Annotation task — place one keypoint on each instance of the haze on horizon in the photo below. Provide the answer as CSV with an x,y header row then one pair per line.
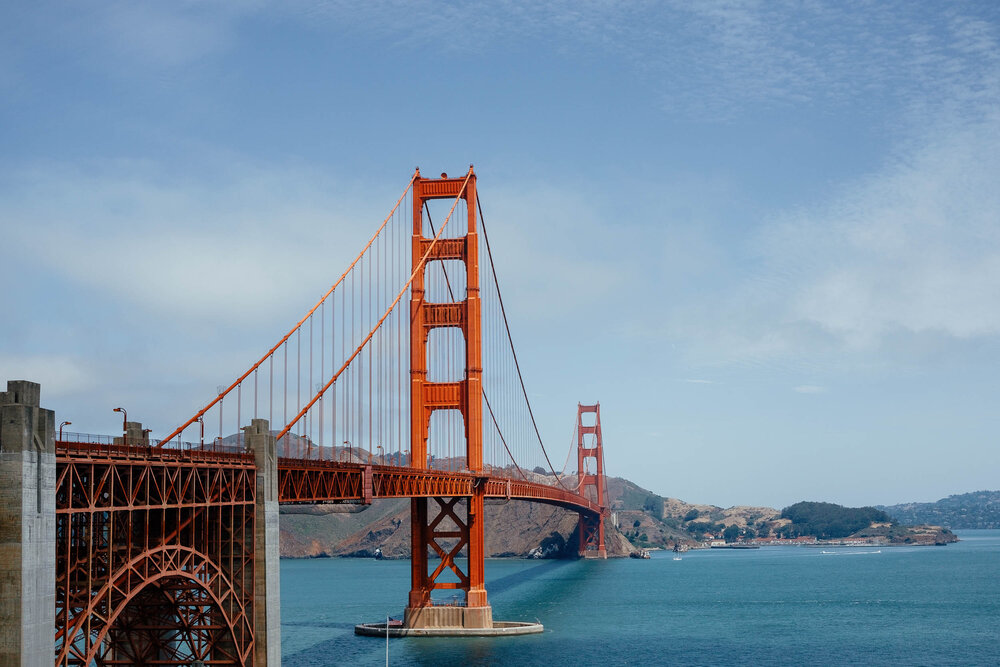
x,y
765,236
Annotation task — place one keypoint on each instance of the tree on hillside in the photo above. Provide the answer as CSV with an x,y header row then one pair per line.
x,y
654,505
731,533
830,521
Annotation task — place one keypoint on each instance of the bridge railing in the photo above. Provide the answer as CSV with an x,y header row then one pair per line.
x,y
105,447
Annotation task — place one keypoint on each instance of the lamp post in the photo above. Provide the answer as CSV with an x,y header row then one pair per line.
x,y
61,428
381,455
124,424
347,452
201,421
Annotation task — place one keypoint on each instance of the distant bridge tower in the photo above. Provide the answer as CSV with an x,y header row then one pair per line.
x,y
592,484
447,532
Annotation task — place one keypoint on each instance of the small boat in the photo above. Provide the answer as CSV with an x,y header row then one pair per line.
x,y
677,558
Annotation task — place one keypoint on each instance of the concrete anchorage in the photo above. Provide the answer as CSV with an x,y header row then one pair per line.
x,y
134,434
267,616
27,527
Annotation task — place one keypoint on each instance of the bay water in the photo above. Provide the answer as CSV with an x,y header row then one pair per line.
x,y
768,606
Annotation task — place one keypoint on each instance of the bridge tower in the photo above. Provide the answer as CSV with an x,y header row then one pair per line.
x,y
445,531
591,483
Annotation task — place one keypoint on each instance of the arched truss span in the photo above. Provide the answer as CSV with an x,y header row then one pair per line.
x,y
211,623
161,544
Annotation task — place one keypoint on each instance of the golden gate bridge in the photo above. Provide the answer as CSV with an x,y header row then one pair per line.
x,y
401,382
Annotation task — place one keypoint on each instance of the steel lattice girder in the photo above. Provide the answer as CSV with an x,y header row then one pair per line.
x,y
166,541
332,481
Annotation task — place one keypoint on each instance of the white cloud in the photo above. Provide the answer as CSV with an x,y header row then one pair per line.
x,y
911,250
208,252
59,375
555,255
172,34
916,248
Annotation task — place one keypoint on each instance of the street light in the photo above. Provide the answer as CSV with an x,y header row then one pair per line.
x,y
124,424
381,454
61,427
347,452
201,420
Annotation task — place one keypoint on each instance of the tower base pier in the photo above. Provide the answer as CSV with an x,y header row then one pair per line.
x,y
498,629
449,617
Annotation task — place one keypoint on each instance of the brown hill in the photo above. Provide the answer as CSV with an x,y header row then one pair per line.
x,y
513,528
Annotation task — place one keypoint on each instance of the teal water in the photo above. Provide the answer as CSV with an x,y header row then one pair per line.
x,y
772,606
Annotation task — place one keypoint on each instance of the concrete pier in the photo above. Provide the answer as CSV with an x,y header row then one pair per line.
x,y
27,527
267,616
498,629
449,617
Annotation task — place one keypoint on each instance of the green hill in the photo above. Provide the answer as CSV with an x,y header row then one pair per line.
x,y
829,521
979,509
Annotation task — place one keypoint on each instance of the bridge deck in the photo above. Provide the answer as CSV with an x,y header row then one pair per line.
x,y
310,481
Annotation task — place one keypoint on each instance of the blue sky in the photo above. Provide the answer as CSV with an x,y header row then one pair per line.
x,y
766,236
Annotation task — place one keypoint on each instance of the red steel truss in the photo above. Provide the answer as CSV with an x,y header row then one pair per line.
x,y
591,483
154,556
305,481
155,546
463,396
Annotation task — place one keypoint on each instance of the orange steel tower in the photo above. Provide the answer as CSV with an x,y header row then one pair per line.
x,y
447,532
591,527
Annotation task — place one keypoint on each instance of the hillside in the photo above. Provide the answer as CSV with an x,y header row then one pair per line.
x,y
639,519
979,509
513,529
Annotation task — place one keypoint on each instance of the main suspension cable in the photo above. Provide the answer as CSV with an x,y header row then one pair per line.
x,y
365,341
510,340
451,294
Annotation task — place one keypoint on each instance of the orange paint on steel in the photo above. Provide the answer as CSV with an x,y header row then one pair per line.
x,y
591,528
304,480
281,342
134,520
464,395
417,271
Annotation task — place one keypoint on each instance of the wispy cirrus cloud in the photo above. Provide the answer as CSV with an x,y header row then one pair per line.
x,y
912,250
715,60
700,60
216,250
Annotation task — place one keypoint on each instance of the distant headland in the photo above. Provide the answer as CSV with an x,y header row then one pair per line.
x,y
640,520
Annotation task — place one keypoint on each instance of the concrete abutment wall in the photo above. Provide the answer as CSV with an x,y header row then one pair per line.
x,y
267,616
27,527
28,532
